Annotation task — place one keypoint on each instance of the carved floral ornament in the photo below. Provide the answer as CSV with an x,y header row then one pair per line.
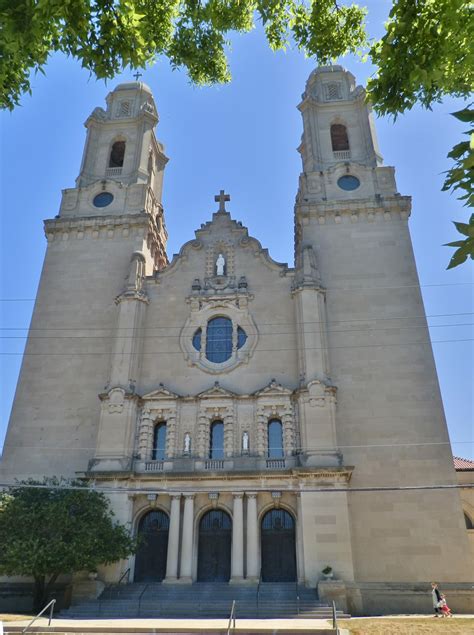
x,y
193,338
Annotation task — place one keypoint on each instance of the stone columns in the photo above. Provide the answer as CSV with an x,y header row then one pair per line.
x,y
173,540
202,446
171,428
252,538
188,535
237,572
288,422
262,445
229,433
145,435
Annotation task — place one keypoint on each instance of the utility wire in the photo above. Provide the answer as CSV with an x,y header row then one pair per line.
x,y
298,450
81,327
260,350
373,288
193,329
232,489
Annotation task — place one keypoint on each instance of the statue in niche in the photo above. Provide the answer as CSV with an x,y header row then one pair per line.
x,y
220,265
187,443
245,442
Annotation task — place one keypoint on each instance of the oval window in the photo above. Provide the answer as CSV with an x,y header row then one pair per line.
x,y
103,199
348,182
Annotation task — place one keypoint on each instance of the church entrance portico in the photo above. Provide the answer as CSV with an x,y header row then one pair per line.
x,y
214,547
150,560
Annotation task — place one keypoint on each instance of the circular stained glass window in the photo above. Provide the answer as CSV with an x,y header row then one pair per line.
x,y
348,182
103,199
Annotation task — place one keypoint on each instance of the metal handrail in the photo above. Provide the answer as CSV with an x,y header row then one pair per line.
x,y
140,600
334,617
230,626
50,604
125,573
297,598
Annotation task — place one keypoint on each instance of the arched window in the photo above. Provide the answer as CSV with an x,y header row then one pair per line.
x,y
216,448
275,439
219,340
117,154
339,138
468,521
159,442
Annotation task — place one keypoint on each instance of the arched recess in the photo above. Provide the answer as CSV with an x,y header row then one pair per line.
x,y
150,559
214,546
468,520
339,137
117,153
278,546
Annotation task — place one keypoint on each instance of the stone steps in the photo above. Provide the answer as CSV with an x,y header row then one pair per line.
x,y
203,600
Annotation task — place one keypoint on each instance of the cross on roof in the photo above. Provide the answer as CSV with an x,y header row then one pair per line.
x,y
221,198
138,75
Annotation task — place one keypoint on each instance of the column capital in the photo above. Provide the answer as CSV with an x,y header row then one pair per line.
x,y
191,496
251,494
175,496
238,494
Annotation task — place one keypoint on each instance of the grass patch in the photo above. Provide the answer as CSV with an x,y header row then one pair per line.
x,y
408,626
14,617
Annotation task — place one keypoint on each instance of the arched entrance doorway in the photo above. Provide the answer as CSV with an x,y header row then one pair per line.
x,y
278,547
215,540
150,561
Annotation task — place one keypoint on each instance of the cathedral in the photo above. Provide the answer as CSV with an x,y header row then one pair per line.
x,y
254,421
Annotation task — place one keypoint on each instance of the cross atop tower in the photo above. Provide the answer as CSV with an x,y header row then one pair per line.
x,y
137,75
221,198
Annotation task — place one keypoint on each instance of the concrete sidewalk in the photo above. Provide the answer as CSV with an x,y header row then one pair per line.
x,y
144,626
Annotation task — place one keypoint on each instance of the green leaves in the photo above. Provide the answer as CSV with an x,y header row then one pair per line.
x,y
426,53
106,36
465,248
52,530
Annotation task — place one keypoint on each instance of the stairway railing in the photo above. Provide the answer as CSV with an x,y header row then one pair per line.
x,y
140,600
231,624
50,604
334,617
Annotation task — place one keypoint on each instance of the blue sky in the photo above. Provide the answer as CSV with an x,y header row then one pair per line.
x,y
241,137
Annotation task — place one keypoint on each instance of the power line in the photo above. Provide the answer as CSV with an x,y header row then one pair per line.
x,y
260,350
223,489
372,288
191,332
297,450
296,323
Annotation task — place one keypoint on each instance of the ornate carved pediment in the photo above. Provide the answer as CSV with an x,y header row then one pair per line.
x,y
216,392
161,393
274,389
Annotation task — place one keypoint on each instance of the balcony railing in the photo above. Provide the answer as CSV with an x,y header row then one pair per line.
x,y
342,154
154,466
113,171
275,464
214,464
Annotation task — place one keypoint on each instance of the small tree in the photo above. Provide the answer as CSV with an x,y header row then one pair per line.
x,y
54,527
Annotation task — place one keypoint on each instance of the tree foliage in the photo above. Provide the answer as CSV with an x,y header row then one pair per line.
x,y
50,530
425,54
108,35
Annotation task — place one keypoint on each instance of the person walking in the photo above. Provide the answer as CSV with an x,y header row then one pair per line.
x,y
436,595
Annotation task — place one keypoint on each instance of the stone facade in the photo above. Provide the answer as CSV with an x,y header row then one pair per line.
x,y
225,336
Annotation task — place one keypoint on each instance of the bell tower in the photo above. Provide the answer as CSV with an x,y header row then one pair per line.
x,y
107,239
122,166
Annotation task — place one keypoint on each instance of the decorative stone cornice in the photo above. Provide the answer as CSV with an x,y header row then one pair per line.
x,y
351,211
288,480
